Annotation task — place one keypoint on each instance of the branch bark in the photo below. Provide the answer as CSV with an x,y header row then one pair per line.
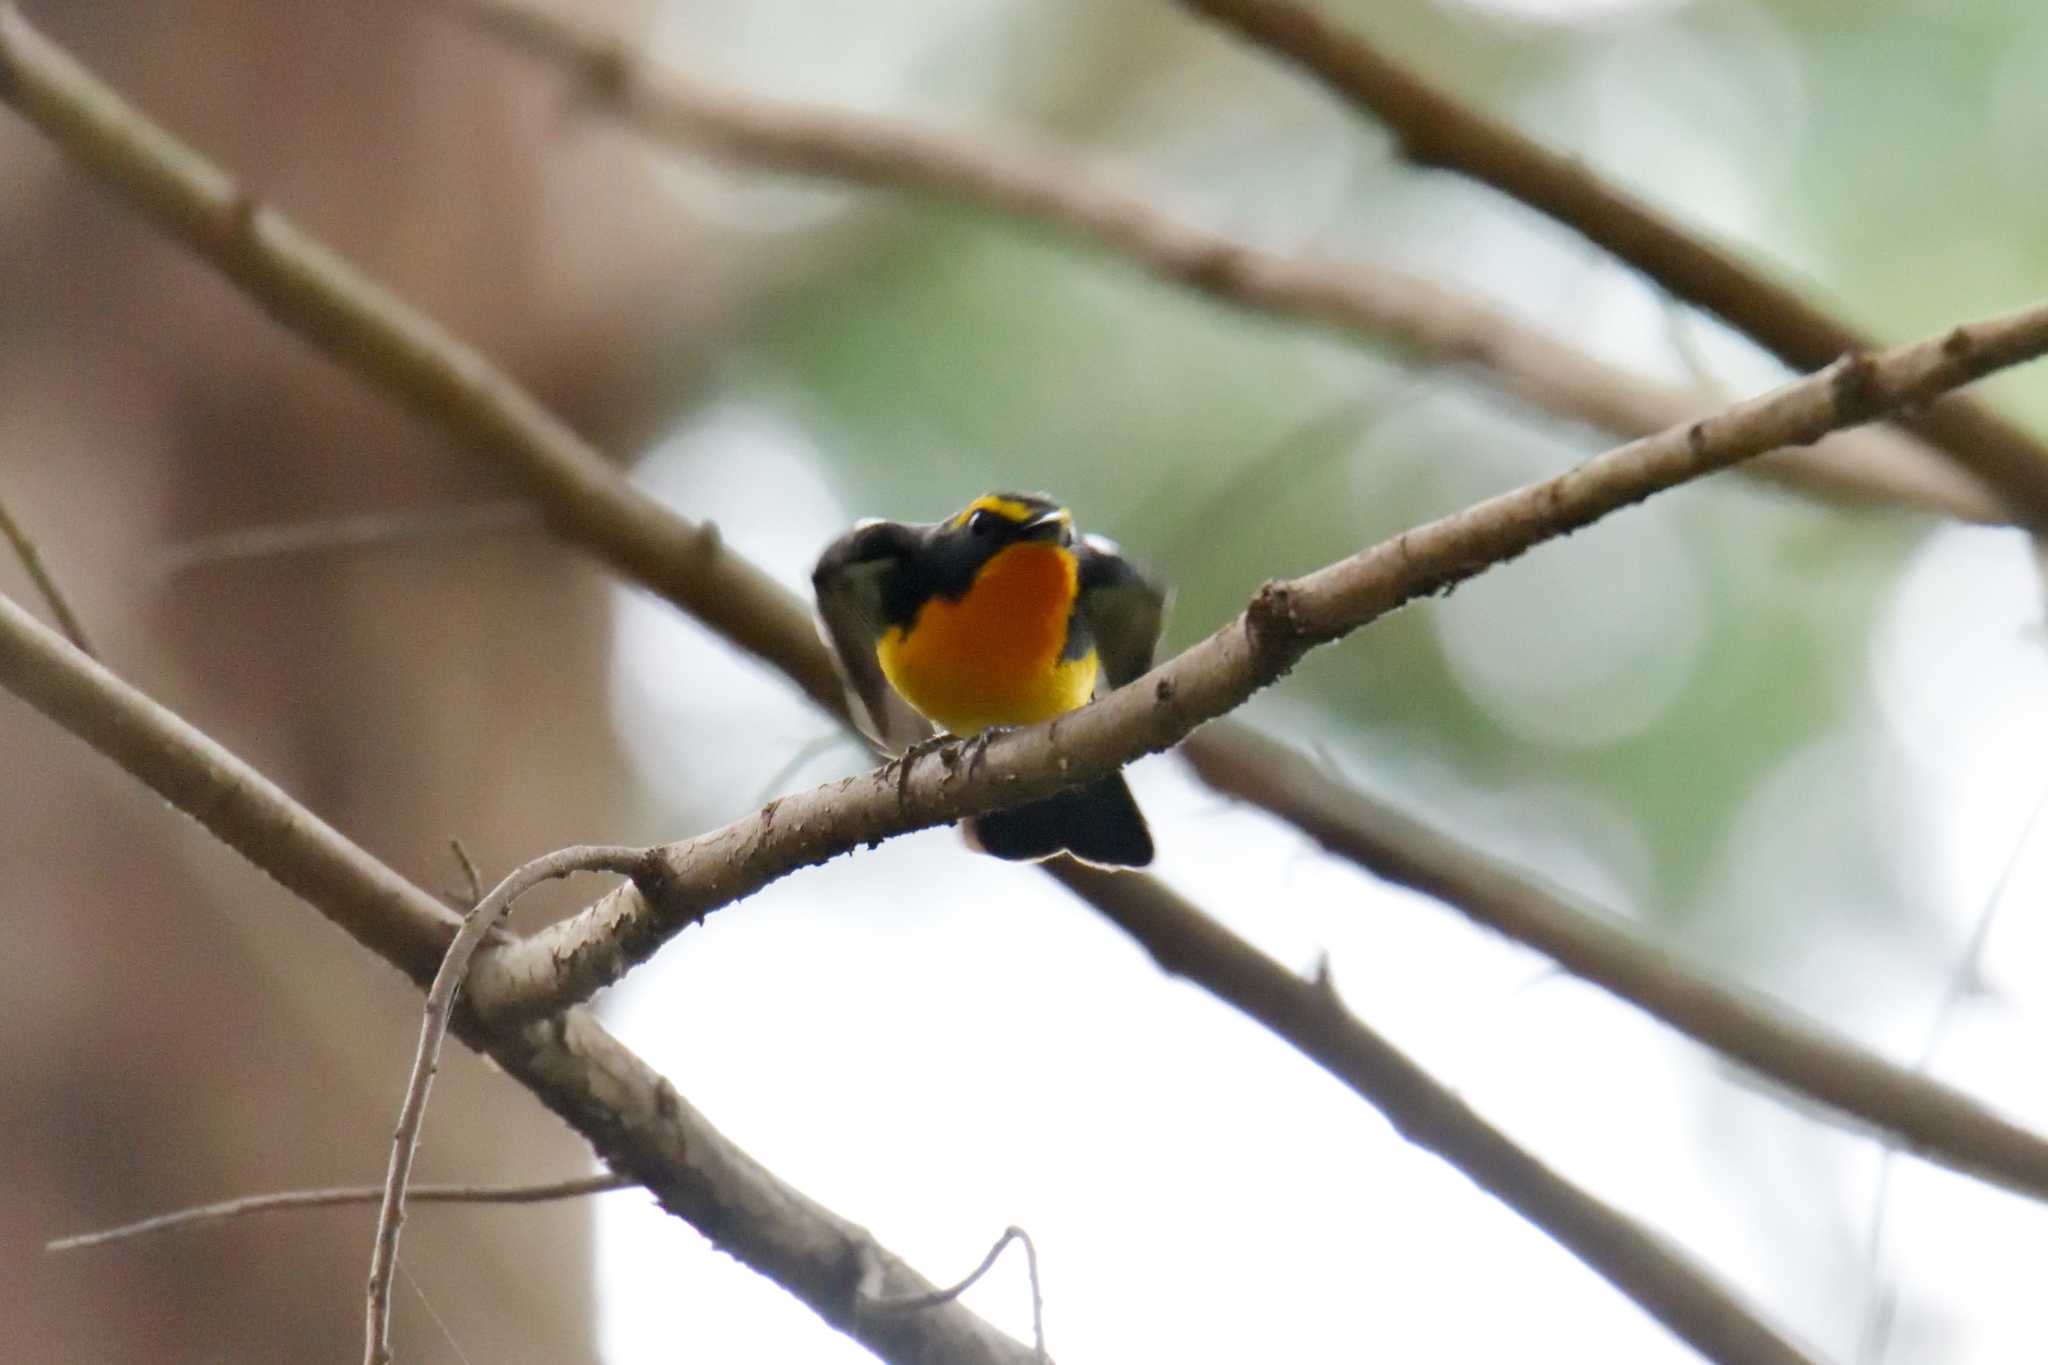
x,y
1435,129
634,1119
1428,322
1924,1116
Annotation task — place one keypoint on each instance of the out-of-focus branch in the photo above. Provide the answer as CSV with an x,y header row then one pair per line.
x,y
1926,1117
1308,1014
368,531
634,1119
371,331
1427,321
24,547
1434,128
571,960
228,1210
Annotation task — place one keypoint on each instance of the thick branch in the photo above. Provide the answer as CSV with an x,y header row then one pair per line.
x,y
1435,129
1429,322
1307,1013
1928,1118
635,1120
571,960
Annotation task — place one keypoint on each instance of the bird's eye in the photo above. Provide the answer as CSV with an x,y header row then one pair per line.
x,y
982,522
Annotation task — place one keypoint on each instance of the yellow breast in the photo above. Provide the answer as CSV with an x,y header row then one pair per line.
x,y
993,657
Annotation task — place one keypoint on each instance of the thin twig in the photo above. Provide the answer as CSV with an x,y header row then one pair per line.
x,y
39,574
447,1335
1877,1326
476,926
472,880
1668,1285
1432,323
1932,1120
341,1197
917,1303
1436,129
369,531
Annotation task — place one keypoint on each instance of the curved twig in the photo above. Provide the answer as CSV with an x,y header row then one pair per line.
x,y
448,979
917,1303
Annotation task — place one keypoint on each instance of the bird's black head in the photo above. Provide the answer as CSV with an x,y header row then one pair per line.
x,y
954,549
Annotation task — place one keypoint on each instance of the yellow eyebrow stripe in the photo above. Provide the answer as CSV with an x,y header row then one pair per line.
x,y
1007,508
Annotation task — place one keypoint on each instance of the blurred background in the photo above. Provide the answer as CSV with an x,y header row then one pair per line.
x,y
1802,745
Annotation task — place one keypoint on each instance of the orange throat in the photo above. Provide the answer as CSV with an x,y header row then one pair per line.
x,y
993,657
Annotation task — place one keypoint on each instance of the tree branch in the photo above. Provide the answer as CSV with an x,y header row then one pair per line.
x,y
24,547
1308,1014
1435,129
228,1210
430,525
571,960
1429,322
638,1124
1928,1118
434,1020
373,333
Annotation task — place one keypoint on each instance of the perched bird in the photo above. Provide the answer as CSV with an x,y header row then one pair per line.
x,y
1000,615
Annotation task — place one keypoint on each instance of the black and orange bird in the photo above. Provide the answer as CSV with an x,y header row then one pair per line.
x,y
1000,615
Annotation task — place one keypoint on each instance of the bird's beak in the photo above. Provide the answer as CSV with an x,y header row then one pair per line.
x,y
1045,526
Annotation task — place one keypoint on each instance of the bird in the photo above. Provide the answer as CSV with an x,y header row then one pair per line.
x,y
1001,615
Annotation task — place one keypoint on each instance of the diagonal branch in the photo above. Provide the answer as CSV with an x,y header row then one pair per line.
x,y
1931,1119
1434,128
571,960
373,333
1308,1014
1429,322
634,1119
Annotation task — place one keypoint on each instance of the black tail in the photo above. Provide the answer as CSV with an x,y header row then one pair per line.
x,y
1097,824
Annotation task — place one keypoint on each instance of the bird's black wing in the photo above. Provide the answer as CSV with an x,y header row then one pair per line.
x,y
1124,606
850,581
